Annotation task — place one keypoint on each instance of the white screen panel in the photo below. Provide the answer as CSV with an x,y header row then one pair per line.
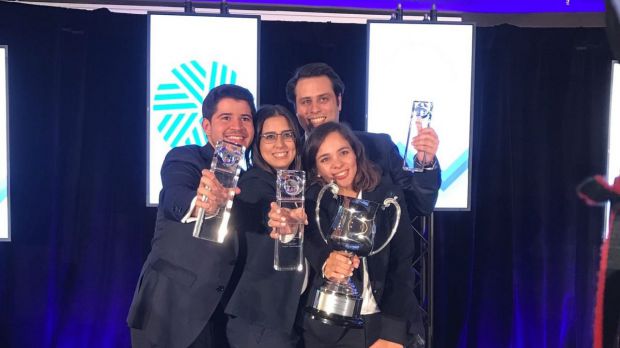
x,y
420,61
613,146
189,55
613,152
5,233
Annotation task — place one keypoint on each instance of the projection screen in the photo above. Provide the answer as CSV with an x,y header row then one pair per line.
x,y
5,230
410,61
188,55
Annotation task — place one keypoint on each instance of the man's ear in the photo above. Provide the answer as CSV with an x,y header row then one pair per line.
x,y
339,99
206,126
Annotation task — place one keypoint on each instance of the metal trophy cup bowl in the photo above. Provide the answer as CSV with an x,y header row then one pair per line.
x,y
421,111
353,231
225,164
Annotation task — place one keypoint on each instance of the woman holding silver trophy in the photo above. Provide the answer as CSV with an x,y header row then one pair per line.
x,y
362,294
264,304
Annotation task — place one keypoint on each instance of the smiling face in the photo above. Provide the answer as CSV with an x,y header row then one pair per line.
x,y
277,142
316,102
335,160
231,121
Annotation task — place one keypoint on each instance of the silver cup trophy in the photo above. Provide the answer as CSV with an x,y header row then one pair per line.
x,y
421,111
288,249
353,231
226,167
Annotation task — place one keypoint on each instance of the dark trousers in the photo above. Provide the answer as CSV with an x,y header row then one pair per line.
x,y
319,335
243,334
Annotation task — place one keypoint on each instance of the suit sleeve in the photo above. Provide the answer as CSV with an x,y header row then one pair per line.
x,y
180,176
398,300
252,205
421,189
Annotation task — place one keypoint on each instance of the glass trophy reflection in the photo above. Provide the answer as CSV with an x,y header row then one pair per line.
x,y
225,164
421,113
288,249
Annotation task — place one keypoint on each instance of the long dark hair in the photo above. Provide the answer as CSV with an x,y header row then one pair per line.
x,y
263,114
368,174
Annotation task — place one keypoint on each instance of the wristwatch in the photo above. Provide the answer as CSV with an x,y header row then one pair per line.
x,y
428,166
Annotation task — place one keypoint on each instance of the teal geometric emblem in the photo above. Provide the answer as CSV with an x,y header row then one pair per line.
x,y
177,104
3,190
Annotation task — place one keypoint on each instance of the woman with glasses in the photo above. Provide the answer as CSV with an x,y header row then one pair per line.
x,y
264,303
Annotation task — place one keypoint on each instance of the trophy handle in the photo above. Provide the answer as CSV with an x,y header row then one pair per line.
x,y
334,188
386,203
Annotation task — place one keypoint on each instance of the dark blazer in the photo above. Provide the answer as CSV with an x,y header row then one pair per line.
x,y
421,189
263,296
183,278
389,271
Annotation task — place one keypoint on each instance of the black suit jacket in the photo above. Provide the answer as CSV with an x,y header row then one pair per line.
x,y
183,278
421,189
263,296
389,271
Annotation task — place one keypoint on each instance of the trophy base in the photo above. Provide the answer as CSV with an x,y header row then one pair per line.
x,y
334,319
337,304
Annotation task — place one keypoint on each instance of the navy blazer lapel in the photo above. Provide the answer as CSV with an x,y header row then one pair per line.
x,y
206,152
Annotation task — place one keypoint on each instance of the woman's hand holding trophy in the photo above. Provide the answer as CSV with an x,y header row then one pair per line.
x,y
340,265
281,219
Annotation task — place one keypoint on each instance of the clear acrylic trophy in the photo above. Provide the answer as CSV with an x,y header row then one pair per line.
x,y
353,231
225,165
288,249
422,112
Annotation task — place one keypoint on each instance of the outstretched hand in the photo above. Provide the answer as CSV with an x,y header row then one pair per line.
x,y
283,220
426,143
211,195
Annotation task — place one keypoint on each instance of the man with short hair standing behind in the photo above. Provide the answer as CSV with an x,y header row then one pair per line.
x,y
316,91
185,279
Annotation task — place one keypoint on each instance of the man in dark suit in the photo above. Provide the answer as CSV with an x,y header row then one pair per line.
x,y
185,280
316,91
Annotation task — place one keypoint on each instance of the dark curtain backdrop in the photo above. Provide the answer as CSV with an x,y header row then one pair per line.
x,y
517,270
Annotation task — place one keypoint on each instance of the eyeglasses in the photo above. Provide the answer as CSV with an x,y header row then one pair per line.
x,y
271,137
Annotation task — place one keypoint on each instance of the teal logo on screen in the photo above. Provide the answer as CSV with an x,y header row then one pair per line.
x,y
177,103
3,190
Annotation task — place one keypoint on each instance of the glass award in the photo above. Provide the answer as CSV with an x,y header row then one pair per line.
x,y
225,164
288,249
421,113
